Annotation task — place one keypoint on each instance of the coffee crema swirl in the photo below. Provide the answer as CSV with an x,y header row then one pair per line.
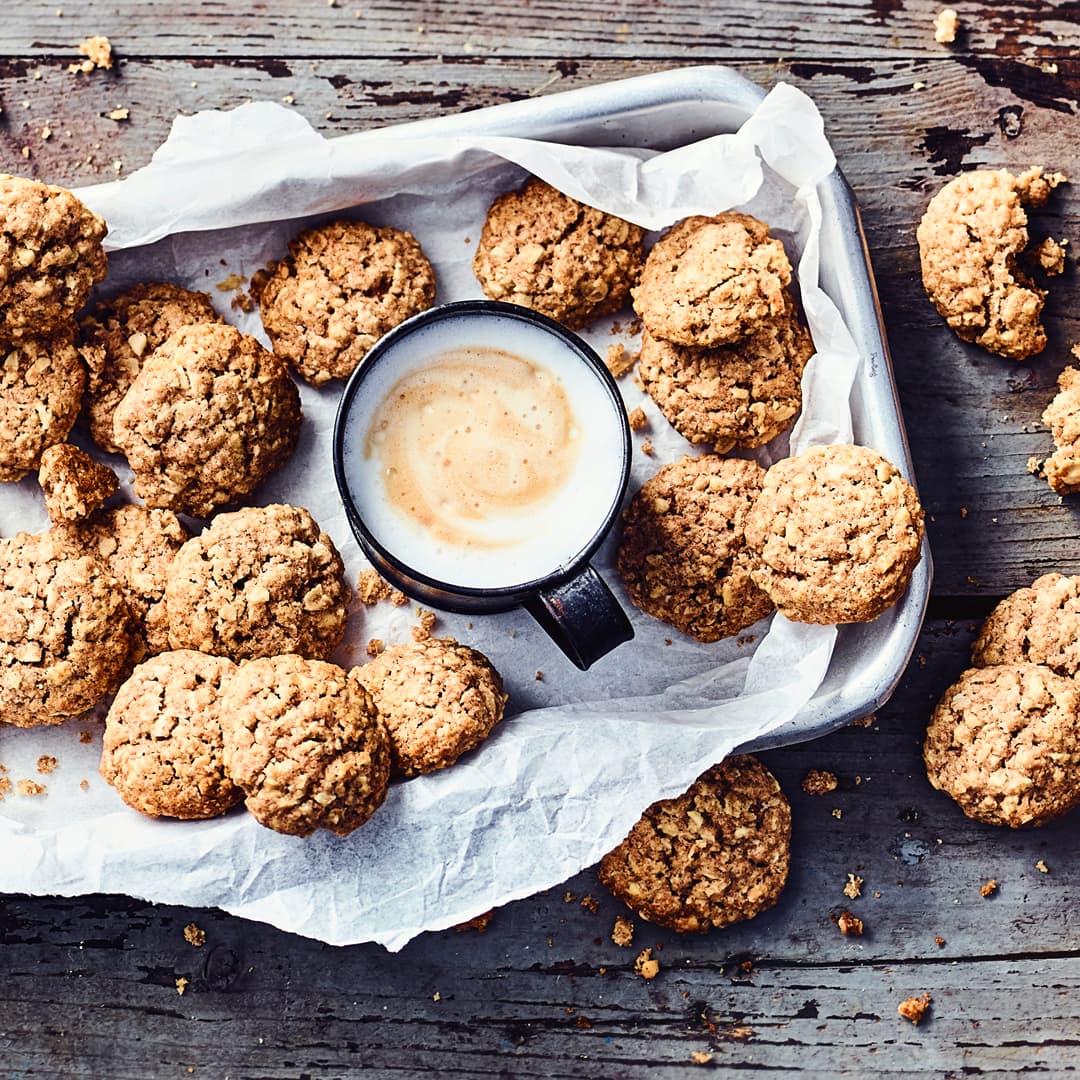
x,y
474,444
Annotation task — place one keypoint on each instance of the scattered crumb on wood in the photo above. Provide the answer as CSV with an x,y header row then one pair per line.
x,y
945,26
989,887
939,942
637,419
618,360
539,676
741,1033
914,1008
479,923
1050,255
119,114
700,1057
46,764
1042,867
427,620
590,903
819,782
181,985
98,53
622,933
568,897
583,1023
30,788
194,935
647,448
853,888
837,813
850,925
646,966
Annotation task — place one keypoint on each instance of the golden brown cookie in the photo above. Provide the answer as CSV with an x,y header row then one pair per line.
x,y
306,744
543,250
41,388
121,335
259,581
1004,742
208,418
742,394
970,240
139,546
163,749
73,483
838,531
1062,416
711,281
716,855
340,289
438,700
50,257
1039,624
683,557
64,631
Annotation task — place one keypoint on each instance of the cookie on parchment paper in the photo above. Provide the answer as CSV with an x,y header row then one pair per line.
x,y
1004,743
73,483
544,250
711,281
305,742
683,556
258,582
163,749
341,287
438,700
210,416
121,335
838,532
716,855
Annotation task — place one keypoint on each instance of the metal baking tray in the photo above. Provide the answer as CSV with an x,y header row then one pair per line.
x,y
669,109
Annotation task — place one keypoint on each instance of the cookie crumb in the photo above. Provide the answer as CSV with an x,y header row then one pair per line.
x,y
853,888
85,737
539,676
946,26
30,788
819,782
371,588
1050,255
590,903
637,419
84,784
647,448
1034,465
375,646
700,1057
568,897
939,942
194,935
118,114
46,764
646,966
422,631
181,985
5,787
837,813
98,53
741,1033
914,1008
1042,867
622,933
618,360
479,923
849,925
583,1023
989,887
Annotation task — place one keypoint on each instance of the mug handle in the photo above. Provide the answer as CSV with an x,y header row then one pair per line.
x,y
581,616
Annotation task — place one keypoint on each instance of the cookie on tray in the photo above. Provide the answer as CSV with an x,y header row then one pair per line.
x,y
1039,624
121,335
743,394
50,254
259,581
1004,743
73,483
41,388
971,238
544,250
163,749
838,532
438,700
1062,416
306,744
64,631
139,546
341,287
711,281
209,417
683,557
714,856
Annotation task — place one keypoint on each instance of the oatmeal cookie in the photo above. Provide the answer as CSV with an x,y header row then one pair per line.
x,y
258,582
163,749
41,388
683,557
121,335
742,394
306,744
1004,742
1062,416
50,257
139,546
716,855
970,240
340,289
712,281
1039,624
438,700
74,484
64,631
838,531
208,418
544,250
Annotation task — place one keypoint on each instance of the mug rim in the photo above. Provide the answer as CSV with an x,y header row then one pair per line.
x,y
502,309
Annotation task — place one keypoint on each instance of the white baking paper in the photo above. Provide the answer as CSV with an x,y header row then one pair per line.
x,y
579,755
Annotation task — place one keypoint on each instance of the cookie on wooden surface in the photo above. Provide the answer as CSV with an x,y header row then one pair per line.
x,y
1062,416
1004,743
341,287
438,700
544,250
838,532
74,484
716,855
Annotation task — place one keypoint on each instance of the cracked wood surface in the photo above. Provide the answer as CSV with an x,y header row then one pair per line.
x,y
89,986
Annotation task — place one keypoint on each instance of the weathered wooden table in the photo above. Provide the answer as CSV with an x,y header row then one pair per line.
x,y
88,986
